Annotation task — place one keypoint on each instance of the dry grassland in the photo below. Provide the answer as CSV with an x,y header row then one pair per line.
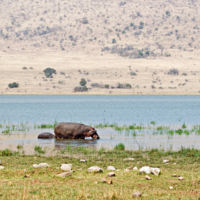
x,y
103,42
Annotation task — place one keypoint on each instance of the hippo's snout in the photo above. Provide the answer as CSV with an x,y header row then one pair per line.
x,y
95,137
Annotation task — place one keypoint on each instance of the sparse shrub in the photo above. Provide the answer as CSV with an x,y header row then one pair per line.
x,y
120,86
114,40
140,53
48,72
62,73
128,86
107,86
141,23
13,85
80,89
95,85
153,87
184,74
173,72
85,21
168,13
119,147
24,67
133,74
131,24
83,82
61,82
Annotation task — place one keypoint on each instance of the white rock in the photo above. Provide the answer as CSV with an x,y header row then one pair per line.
x,y
1,167
62,175
110,174
174,163
171,188
165,161
180,178
155,171
148,170
145,169
83,160
35,165
95,169
127,170
135,169
137,194
43,165
130,159
66,167
111,168
148,177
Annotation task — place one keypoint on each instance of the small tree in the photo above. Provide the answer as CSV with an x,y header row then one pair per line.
x,y
13,85
49,71
83,82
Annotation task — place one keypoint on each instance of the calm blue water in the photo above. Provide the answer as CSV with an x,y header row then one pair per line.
x,y
99,109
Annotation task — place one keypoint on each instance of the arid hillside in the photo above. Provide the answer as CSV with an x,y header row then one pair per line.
x,y
118,47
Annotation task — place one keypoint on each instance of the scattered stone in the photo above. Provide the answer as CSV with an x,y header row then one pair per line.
x,y
174,163
180,178
103,180
111,168
165,161
26,176
110,174
127,170
95,182
171,188
0,163
66,167
83,161
148,170
117,170
135,169
35,165
148,177
25,170
155,171
145,169
43,165
65,174
137,194
94,169
130,159
1,167
174,175
109,182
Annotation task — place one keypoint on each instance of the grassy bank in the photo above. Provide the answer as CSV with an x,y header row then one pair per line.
x,y
43,183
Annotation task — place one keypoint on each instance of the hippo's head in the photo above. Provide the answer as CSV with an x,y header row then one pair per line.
x,y
93,134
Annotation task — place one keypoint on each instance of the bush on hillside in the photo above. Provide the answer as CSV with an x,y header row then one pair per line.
x,y
13,85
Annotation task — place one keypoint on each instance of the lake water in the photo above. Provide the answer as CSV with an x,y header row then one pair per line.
x,y
123,110
99,109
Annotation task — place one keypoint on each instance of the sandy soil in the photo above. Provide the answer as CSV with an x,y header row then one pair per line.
x,y
152,74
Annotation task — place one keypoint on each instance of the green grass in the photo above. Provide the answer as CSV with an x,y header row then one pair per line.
x,y
43,183
39,150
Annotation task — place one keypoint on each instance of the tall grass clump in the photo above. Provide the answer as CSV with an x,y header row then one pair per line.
x,y
119,147
38,149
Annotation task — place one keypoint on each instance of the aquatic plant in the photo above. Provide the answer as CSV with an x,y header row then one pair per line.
x,y
119,146
39,149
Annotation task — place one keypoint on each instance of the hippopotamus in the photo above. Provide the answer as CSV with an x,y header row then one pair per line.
x,y
46,135
67,130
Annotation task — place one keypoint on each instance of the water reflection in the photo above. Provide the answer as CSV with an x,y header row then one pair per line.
x,y
61,144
